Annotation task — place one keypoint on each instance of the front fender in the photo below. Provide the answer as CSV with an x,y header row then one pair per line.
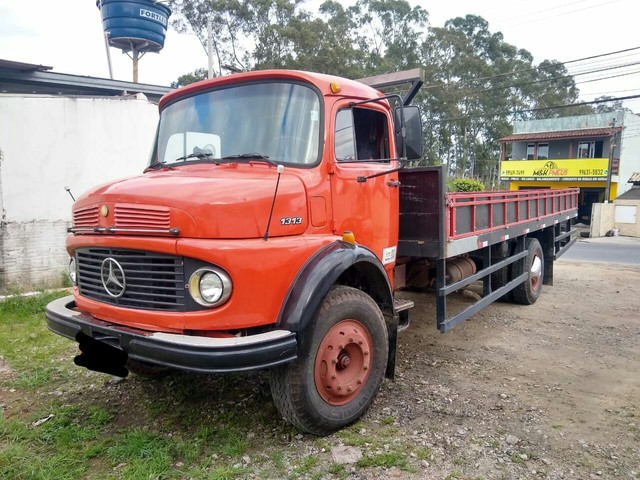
x,y
322,271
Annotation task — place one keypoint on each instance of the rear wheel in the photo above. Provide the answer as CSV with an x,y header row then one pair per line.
x,y
528,292
342,357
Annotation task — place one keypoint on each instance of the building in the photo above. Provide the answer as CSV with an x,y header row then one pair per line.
x,y
587,151
28,78
58,131
621,216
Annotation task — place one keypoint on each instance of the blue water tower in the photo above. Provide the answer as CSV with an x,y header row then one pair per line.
x,y
134,26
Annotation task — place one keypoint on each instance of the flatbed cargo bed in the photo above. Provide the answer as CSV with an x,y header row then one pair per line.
x,y
438,225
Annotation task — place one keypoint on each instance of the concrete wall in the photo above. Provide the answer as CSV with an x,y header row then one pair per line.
x,y
629,151
602,215
47,143
603,218
629,229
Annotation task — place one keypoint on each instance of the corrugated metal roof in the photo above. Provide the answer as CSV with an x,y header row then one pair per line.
x,y
635,178
23,67
633,194
28,78
562,134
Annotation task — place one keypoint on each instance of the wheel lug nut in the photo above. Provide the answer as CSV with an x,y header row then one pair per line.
x,y
339,387
334,361
366,352
349,389
333,377
360,342
365,368
340,347
359,382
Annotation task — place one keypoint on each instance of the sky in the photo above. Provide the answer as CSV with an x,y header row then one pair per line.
x,y
70,39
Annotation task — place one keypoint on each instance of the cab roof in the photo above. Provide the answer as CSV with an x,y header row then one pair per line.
x,y
349,88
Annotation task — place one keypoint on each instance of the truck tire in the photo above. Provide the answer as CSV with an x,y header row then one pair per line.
x,y
342,358
528,292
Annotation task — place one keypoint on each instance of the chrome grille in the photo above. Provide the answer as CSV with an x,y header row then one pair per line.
x,y
85,217
141,216
153,281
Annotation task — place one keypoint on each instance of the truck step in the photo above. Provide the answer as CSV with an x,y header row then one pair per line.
x,y
400,305
402,308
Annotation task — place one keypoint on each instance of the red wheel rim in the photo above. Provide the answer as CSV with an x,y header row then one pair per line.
x,y
536,273
343,362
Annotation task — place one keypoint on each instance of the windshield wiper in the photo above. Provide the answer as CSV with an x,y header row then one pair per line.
x,y
199,156
158,165
251,156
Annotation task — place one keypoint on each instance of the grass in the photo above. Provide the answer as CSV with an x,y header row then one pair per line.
x,y
26,344
385,460
180,426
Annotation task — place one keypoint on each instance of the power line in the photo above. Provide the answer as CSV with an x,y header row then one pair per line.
x,y
506,74
527,14
539,109
562,14
562,77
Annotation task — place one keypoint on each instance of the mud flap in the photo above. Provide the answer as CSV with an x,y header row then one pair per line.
x,y
100,357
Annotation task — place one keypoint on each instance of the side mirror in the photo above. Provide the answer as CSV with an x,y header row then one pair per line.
x,y
413,128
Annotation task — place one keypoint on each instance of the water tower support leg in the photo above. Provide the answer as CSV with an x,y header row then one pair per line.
x,y
135,58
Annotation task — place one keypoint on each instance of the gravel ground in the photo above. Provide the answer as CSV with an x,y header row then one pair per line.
x,y
550,390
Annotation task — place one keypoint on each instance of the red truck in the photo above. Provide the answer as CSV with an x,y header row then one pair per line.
x,y
271,229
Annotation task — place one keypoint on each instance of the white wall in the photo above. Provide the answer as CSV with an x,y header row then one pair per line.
x,y
47,143
630,151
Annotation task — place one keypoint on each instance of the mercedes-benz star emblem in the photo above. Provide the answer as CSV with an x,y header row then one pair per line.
x,y
112,275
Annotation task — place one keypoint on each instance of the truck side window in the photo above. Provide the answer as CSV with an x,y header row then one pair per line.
x,y
344,145
361,134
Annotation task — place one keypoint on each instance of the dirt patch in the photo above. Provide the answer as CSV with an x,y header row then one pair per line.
x,y
6,372
561,377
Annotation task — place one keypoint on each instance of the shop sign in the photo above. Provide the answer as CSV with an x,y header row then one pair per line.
x,y
591,169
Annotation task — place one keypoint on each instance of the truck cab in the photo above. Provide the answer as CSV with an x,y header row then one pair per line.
x,y
262,234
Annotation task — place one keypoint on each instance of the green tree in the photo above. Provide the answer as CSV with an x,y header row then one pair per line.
x,y
192,77
476,84
609,105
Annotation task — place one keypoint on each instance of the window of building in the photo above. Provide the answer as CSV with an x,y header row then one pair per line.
x,y
361,134
531,151
543,151
586,149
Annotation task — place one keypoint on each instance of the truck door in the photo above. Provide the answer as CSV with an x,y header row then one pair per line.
x,y
361,143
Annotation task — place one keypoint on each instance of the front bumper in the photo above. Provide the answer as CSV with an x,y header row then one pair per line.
x,y
184,352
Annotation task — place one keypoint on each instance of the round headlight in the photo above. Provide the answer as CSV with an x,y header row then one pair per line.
x,y
210,286
73,271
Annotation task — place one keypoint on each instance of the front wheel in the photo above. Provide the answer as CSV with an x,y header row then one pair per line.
x,y
528,292
341,360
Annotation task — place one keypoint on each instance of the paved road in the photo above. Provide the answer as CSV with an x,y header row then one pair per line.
x,y
620,250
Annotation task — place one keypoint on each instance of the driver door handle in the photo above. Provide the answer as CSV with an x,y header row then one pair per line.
x,y
394,184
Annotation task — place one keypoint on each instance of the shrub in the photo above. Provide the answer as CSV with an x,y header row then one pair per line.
x,y
466,185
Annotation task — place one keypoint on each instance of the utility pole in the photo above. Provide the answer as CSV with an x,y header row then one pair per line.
x,y
210,47
612,144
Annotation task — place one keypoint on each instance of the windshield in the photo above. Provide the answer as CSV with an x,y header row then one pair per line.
x,y
278,121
